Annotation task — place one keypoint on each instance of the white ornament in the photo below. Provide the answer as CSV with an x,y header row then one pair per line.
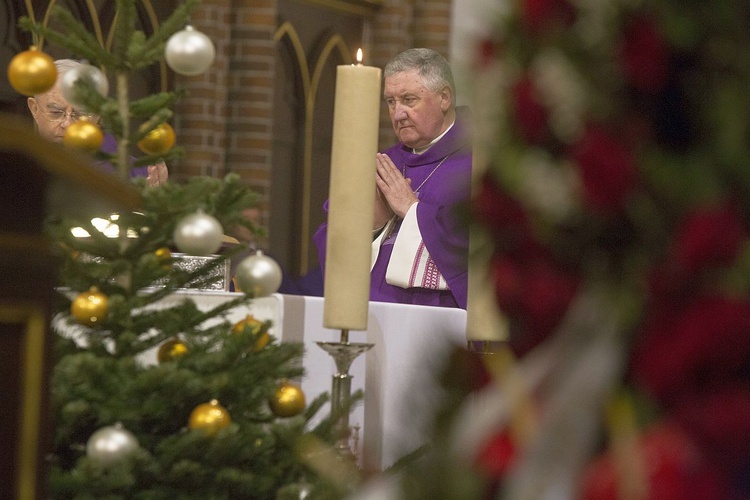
x,y
111,444
198,234
258,275
85,73
189,52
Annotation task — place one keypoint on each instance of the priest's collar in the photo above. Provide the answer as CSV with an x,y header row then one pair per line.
x,y
419,151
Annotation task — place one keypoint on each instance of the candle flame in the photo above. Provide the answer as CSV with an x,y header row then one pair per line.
x,y
359,56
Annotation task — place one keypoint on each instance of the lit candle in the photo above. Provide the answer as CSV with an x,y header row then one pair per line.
x,y
356,116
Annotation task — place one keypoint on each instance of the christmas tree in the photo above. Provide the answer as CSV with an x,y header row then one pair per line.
x,y
218,414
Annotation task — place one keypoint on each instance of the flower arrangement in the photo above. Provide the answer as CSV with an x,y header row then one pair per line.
x,y
617,201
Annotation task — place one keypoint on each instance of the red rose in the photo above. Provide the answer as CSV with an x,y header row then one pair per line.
x,y
536,296
606,168
486,53
708,237
644,55
719,420
673,465
530,114
497,455
543,15
547,292
503,216
508,282
707,339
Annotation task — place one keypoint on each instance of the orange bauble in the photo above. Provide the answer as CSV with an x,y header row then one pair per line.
x,y
254,327
32,72
158,141
210,417
84,135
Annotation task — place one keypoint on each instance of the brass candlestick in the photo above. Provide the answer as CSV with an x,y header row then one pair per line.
x,y
343,353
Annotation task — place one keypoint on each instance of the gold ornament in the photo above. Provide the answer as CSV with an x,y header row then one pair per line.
x,y
210,417
171,350
164,256
254,327
32,72
288,400
84,135
90,307
158,141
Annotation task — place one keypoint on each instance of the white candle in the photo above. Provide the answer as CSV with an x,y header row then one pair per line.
x,y
356,116
484,321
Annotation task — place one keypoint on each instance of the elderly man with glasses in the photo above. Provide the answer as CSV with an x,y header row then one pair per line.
x,y
53,114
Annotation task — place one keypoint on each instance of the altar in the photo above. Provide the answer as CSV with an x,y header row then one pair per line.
x,y
396,375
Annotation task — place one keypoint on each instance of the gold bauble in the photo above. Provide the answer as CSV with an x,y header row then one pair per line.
x,y
254,327
288,400
164,256
158,141
90,307
210,417
84,135
171,350
32,72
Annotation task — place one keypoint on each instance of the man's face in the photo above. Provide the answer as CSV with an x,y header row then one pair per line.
x,y
52,113
418,114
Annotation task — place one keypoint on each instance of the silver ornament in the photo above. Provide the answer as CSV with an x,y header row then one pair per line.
x,y
258,275
85,73
189,52
198,234
111,444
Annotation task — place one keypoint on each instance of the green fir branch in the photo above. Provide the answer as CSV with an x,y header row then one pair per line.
x,y
123,34
175,22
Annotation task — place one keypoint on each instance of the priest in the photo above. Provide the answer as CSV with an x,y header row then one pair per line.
x,y
420,243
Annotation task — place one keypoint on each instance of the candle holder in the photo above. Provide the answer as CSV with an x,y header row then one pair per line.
x,y
343,353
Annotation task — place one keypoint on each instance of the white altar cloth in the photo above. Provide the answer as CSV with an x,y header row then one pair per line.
x,y
397,374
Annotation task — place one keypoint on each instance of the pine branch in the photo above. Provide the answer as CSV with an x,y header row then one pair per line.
x,y
124,30
147,105
154,46
76,39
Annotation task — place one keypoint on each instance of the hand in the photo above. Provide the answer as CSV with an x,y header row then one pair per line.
x,y
382,211
157,174
395,188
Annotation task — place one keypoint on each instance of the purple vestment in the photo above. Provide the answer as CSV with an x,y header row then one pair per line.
x,y
109,145
444,232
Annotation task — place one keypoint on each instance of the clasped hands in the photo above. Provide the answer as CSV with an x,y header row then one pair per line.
x,y
157,174
394,194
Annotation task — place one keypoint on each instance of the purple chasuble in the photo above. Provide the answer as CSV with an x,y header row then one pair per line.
x,y
109,146
444,232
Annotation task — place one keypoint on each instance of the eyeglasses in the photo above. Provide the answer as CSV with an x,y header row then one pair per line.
x,y
59,115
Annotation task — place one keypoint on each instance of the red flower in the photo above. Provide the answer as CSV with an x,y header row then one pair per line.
x,y
673,466
497,455
547,292
530,114
508,280
535,292
607,170
504,217
708,237
720,421
707,339
486,52
644,55
543,15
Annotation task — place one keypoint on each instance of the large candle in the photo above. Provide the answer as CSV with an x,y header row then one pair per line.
x,y
356,116
484,322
